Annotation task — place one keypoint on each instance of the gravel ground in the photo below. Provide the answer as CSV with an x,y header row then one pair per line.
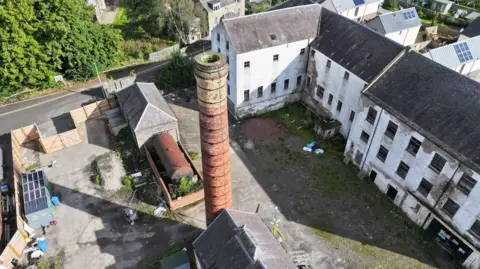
x,y
353,218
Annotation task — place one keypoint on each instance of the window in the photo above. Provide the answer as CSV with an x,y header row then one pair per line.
x,y
260,91
228,89
302,51
275,57
372,114
339,106
373,175
320,91
228,76
219,50
218,37
346,75
425,187
352,116
413,146
227,45
402,170
273,37
285,84
299,80
273,87
466,184
312,52
364,137
246,64
329,63
246,95
228,60
391,130
475,229
330,99
309,80
450,208
356,11
400,33
382,153
437,164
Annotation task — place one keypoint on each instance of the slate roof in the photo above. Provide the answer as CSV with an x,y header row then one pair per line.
x,y
239,240
473,29
144,106
291,3
447,56
395,21
439,103
253,32
360,50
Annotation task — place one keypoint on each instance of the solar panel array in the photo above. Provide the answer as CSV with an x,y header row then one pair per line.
x,y
409,14
463,52
34,193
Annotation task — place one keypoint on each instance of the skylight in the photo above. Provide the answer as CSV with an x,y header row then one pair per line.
x,y
409,14
463,52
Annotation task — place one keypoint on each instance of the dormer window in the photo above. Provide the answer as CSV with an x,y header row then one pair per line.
x,y
216,6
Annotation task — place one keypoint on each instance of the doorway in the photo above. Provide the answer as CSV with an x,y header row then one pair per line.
x,y
373,175
392,192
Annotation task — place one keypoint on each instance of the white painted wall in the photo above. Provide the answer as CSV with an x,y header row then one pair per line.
x,y
405,37
346,91
214,16
263,71
366,10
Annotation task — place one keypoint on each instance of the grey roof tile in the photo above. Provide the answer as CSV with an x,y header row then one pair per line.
x,y
473,29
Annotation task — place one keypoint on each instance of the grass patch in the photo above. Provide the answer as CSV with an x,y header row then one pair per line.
x,y
293,118
55,262
155,263
194,155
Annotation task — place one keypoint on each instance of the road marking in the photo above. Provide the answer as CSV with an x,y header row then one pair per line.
x,y
34,105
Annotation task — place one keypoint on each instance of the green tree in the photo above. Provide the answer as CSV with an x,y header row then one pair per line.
x,y
184,17
43,38
390,5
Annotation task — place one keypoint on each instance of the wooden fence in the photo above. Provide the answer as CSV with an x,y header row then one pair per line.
x,y
90,111
61,141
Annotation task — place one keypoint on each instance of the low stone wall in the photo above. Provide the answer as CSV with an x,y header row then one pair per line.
x,y
161,55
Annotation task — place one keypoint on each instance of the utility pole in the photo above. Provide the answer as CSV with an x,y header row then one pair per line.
x,y
99,80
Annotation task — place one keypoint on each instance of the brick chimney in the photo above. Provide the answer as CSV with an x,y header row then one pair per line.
x,y
211,75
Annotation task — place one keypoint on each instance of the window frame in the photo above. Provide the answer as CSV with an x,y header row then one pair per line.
x,y
329,63
260,92
273,87
437,157
339,106
299,81
362,136
302,51
286,84
246,95
227,45
391,134
369,119
472,231
228,89
380,156
425,191
352,116
410,149
275,58
322,91
346,76
246,64
452,203
330,99
218,39
462,186
402,165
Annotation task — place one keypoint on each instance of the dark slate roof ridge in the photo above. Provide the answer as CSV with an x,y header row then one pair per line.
x,y
436,69
473,29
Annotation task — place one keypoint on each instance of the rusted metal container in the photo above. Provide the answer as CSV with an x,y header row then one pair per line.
x,y
172,157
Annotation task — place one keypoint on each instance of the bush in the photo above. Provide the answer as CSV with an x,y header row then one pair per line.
x,y
127,181
96,180
187,186
194,155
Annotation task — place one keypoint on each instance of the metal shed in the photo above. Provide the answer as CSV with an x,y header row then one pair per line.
x,y
37,203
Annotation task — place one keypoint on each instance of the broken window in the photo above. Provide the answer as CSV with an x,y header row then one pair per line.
x,y
382,153
413,146
352,116
425,187
246,64
275,57
364,137
372,115
402,170
391,130
286,84
475,229
302,51
330,99
339,106
329,63
450,208
437,164
246,95
320,91
466,184
273,87
346,75
299,80
260,91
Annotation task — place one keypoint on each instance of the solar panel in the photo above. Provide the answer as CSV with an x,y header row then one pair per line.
x,y
359,2
463,52
409,14
34,193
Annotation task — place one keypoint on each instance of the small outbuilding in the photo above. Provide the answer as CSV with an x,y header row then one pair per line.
x,y
146,112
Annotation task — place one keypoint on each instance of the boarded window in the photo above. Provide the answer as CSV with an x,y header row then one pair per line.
x,y
320,91
329,63
260,91
402,170
246,95
475,229
330,99
346,75
466,184
391,130
285,84
437,164
273,87
413,146
352,116
339,106
450,208
275,57
246,64
382,153
425,187
371,116
364,137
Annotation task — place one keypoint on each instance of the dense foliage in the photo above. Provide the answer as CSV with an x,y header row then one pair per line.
x,y
178,74
391,5
43,38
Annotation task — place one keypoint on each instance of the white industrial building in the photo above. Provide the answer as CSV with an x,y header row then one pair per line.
x,y
267,56
401,26
219,9
462,56
422,153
